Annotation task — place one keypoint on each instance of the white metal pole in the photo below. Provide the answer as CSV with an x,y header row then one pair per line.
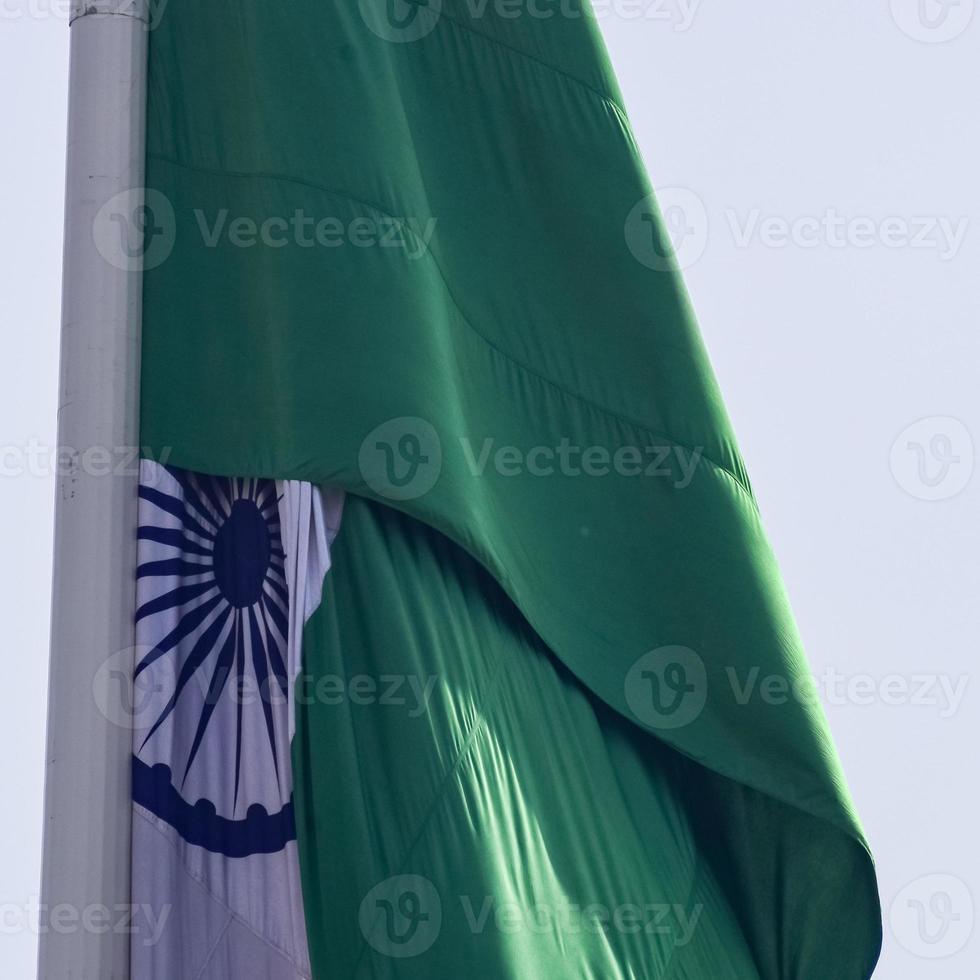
x,y
86,864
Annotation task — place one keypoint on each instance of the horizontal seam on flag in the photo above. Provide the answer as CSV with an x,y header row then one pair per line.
x,y
598,93
155,823
577,396
609,413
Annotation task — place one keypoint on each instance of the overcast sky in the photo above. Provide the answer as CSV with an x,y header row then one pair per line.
x,y
818,164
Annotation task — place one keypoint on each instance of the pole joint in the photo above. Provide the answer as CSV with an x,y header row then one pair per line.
x,y
137,9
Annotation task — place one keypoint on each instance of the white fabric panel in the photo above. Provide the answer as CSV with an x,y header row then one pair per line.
x,y
310,523
229,572
188,933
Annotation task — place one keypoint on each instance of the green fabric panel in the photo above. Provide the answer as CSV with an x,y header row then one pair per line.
x,y
553,834
515,786
526,321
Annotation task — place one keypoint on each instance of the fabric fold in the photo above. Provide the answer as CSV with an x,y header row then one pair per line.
x,y
426,268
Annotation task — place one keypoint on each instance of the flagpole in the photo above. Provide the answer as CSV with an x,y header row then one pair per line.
x,y
86,861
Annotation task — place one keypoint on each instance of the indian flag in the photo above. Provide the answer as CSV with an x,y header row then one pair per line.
x,y
454,602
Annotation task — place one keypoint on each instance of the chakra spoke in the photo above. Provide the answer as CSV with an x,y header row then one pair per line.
x,y
218,680
175,597
240,665
215,604
210,491
176,508
260,666
202,649
173,568
173,538
192,498
184,628
275,655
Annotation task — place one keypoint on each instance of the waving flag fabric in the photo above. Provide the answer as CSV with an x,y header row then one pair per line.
x,y
410,254
220,605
